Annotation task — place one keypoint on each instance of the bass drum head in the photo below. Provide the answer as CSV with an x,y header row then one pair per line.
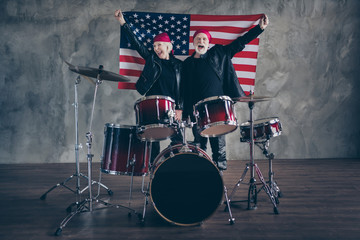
x,y
186,188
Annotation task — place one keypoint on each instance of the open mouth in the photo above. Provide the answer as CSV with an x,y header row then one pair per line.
x,y
201,47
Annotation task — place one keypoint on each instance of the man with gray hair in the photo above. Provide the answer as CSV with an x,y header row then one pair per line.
x,y
210,72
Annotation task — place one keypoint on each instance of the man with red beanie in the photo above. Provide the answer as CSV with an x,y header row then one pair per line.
x,y
210,72
161,73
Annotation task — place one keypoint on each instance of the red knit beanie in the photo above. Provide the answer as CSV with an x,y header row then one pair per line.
x,y
163,37
202,31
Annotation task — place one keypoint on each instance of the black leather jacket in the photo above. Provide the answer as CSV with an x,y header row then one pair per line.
x,y
153,67
219,58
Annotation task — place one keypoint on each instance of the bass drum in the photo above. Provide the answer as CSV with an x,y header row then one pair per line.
x,y
186,187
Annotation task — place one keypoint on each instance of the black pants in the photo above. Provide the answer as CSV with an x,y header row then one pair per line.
x,y
218,147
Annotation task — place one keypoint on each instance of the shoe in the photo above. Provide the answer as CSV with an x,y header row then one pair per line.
x,y
222,165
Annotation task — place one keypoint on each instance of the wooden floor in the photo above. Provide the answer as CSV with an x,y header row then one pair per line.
x,y
321,200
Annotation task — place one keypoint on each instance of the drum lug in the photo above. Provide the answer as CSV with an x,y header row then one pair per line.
x,y
171,115
185,148
140,130
207,113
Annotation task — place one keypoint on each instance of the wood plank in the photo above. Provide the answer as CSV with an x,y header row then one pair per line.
x,y
320,201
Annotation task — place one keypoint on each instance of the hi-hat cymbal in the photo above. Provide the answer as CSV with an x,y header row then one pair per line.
x,y
252,99
93,72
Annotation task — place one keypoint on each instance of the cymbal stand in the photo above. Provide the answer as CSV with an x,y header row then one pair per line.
x,y
87,204
275,190
77,173
253,167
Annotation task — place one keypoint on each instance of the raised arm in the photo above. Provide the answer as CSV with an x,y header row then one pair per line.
x,y
139,46
239,44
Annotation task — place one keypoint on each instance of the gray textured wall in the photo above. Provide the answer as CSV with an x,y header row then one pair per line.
x,y
308,60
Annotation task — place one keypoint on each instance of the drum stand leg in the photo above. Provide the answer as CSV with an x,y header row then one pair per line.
x,y
77,173
227,201
252,192
132,164
275,190
146,200
146,191
87,204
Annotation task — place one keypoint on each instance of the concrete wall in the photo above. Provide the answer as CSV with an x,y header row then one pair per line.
x,y
308,60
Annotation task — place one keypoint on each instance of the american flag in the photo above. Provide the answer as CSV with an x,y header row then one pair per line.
x,y
181,27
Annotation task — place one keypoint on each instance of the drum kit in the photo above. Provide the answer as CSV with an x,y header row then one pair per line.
x,y
184,186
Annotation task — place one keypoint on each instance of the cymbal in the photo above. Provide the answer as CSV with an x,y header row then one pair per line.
x,y
93,72
252,99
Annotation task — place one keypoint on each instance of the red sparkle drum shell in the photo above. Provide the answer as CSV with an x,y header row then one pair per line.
x,y
264,129
154,117
186,187
215,116
123,153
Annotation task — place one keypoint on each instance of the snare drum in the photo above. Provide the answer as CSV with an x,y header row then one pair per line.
x,y
155,117
123,153
186,187
264,129
215,116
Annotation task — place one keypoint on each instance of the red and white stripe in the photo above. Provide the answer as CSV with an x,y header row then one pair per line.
x,y
223,29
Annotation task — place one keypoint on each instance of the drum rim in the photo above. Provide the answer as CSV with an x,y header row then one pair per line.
x,y
213,98
271,120
155,97
156,167
149,126
119,125
113,172
180,145
202,152
231,123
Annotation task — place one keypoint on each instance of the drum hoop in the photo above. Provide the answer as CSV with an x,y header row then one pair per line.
x,y
141,129
112,172
269,119
259,122
118,125
162,125
200,151
231,123
155,97
209,99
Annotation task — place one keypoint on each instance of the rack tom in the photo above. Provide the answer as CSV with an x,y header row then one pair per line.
x,y
264,129
155,117
215,116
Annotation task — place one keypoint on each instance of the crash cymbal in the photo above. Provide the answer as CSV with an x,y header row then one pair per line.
x,y
93,72
252,99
